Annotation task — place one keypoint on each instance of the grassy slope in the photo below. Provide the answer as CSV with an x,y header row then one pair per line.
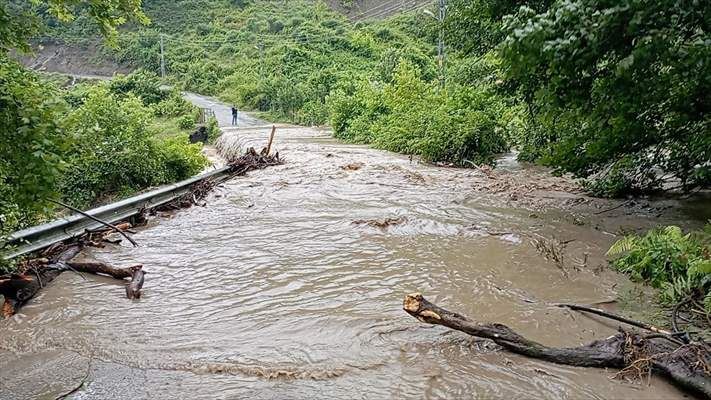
x,y
269,56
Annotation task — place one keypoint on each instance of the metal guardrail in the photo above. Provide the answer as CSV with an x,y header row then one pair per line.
x,y
41,236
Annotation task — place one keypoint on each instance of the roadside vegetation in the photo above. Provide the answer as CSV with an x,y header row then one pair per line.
x,y
85,144
676,263
613,93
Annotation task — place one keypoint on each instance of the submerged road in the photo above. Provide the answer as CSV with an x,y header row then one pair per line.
x,y
223,113
288,285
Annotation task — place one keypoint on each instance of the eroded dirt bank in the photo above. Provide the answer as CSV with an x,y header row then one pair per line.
x,y
289,284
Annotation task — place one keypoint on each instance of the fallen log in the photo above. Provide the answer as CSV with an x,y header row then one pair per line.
x,y
103,268
17,289
687,365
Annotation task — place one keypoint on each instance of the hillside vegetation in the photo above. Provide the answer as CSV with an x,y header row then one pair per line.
x,y
86,144
615,93
304,63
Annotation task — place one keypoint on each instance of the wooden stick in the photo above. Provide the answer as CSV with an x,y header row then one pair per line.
x,y
271,138
613,208
606,314
133,289
114,227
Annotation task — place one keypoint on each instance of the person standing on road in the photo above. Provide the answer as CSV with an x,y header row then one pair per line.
x,y
235,115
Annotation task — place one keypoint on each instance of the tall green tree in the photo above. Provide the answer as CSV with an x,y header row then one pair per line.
x,y
476,26
620,90
31,138
20,20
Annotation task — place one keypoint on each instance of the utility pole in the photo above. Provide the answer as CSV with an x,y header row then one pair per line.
x,y
162,58
440,44
261,60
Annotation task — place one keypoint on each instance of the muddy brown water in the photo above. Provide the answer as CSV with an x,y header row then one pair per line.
x,y
280,288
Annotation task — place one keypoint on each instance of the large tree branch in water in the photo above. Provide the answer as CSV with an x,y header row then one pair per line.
x,y
17,289
687,365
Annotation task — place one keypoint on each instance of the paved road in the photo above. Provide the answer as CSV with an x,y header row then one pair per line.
x,y
222,111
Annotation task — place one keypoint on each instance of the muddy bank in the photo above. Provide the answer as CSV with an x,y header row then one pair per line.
x,y
284,287
83,61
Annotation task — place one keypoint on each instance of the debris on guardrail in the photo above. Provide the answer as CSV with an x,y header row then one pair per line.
x,y
249,161
33,275
93,218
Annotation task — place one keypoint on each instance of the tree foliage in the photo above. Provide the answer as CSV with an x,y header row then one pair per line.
x,y
20,20
31,144
618,90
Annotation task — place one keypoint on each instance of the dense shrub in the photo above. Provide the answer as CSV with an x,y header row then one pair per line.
x,y
114,153
410,115
174,106
143,84
186,122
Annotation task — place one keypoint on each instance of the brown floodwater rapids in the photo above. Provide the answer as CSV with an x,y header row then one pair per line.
x,y
289,283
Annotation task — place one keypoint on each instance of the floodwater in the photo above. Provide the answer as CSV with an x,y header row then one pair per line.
x,y
289,285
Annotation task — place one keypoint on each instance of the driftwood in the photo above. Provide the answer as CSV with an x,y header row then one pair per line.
x,y
687,365
606,314
133,289
239,165
17,289
102,268
268,149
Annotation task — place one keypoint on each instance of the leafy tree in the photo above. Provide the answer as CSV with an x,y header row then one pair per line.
x,y
31,144
30,110
475,26
19,20
619,90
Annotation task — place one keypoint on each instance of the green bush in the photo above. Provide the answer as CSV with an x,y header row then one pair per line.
x,y
181,159
186,122
173,106
114,153
142,84
677,263
213,130
409,115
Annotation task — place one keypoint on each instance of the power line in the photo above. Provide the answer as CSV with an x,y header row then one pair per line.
x,y
162,59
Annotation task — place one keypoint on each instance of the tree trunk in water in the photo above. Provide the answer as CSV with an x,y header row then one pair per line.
x,y
687,365
133,289
17,289
103,268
